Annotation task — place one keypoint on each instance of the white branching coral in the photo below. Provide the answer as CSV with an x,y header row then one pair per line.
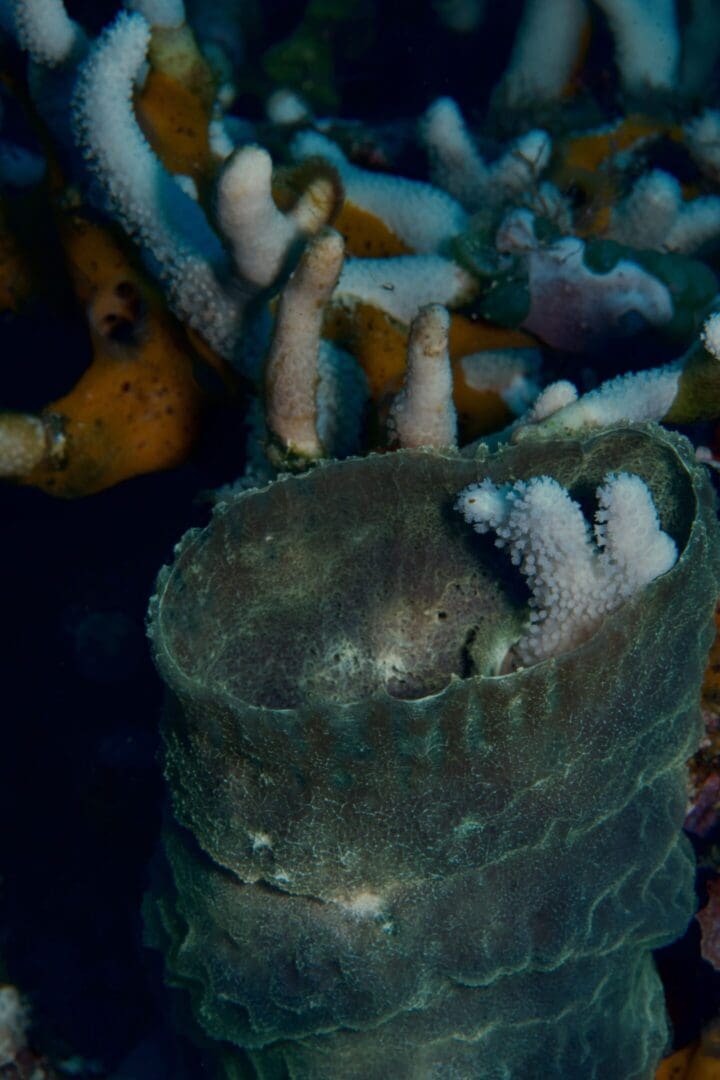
x,y
682,392
545,51
168,14
554,397
141,194
647,42
401,285
259,234
703,140
548,43
286,108
458,167
423,413
46,31
510,373
710,335
291,377
422,216
574,582
631,398
655,215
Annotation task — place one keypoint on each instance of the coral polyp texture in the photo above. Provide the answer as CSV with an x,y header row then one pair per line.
x,y
435,665
573,582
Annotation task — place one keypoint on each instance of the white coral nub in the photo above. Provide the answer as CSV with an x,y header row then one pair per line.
x,y
47,32
574,582
259,235
629,398
168,14
647,42
552,399
422,216
710,335
423,413
655,215
458,167
291,376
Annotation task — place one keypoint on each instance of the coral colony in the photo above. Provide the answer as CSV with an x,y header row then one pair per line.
x,y
433,668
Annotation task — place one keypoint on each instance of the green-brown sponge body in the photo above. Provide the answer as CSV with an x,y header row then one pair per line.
x,y
390,859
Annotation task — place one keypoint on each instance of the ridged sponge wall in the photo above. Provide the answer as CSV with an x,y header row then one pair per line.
x,y
388,858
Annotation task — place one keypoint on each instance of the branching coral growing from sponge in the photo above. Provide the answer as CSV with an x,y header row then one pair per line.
x,y
573,583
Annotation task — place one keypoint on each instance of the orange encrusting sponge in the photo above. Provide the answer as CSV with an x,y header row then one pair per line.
x,y
698,1061
137,407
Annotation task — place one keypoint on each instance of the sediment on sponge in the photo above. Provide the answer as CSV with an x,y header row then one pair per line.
x,y
389,859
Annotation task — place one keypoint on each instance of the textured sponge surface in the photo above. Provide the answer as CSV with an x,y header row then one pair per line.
x,y
465,880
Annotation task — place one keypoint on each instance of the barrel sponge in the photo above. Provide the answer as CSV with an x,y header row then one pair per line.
x,y
387,857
